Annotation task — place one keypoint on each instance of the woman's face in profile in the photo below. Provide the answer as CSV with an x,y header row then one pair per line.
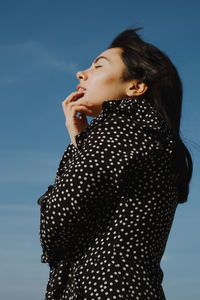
x,y
103,79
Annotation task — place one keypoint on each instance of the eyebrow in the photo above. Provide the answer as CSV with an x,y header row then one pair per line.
x,y
96,60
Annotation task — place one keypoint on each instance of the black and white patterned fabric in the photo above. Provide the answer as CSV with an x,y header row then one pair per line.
x,y
105,221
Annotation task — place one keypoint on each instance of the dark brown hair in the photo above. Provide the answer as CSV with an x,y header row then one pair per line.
x,y
147,63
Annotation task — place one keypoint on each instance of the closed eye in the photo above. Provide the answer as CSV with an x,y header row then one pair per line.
x,y
98,66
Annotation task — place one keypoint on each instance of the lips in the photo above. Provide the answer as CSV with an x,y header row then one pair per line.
x,y
80,87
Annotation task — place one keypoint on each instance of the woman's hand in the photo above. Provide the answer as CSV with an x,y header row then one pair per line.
x,y
71,106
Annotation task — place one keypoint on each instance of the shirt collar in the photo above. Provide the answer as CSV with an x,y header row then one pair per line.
x,y
126,104
109,105
133,106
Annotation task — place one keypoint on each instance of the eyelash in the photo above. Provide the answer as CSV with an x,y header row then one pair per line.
x,y
97,66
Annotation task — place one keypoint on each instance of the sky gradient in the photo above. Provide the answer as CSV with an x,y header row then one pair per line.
x,y
43,44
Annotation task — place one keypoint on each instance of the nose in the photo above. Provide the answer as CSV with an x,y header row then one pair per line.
x,y
81,75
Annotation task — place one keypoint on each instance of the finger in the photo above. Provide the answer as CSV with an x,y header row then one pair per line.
x,y
73,96
80,102
80,108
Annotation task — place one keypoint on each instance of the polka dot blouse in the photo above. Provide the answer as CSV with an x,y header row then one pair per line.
x,y
105,221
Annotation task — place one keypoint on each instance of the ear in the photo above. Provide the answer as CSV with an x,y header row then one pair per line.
x,y
136,88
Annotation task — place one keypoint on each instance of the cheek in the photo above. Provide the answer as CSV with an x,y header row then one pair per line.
x,y
103,81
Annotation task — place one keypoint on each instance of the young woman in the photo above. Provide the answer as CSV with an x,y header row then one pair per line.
x,y
106,219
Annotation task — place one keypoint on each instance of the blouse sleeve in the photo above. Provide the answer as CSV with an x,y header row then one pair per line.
x,y
87,186
66,158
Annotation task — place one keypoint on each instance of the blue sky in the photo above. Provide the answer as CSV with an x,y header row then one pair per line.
x,y
43,44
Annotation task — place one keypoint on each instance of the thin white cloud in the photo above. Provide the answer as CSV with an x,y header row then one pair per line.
x,y
27,166
7,79
27,57
46,58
